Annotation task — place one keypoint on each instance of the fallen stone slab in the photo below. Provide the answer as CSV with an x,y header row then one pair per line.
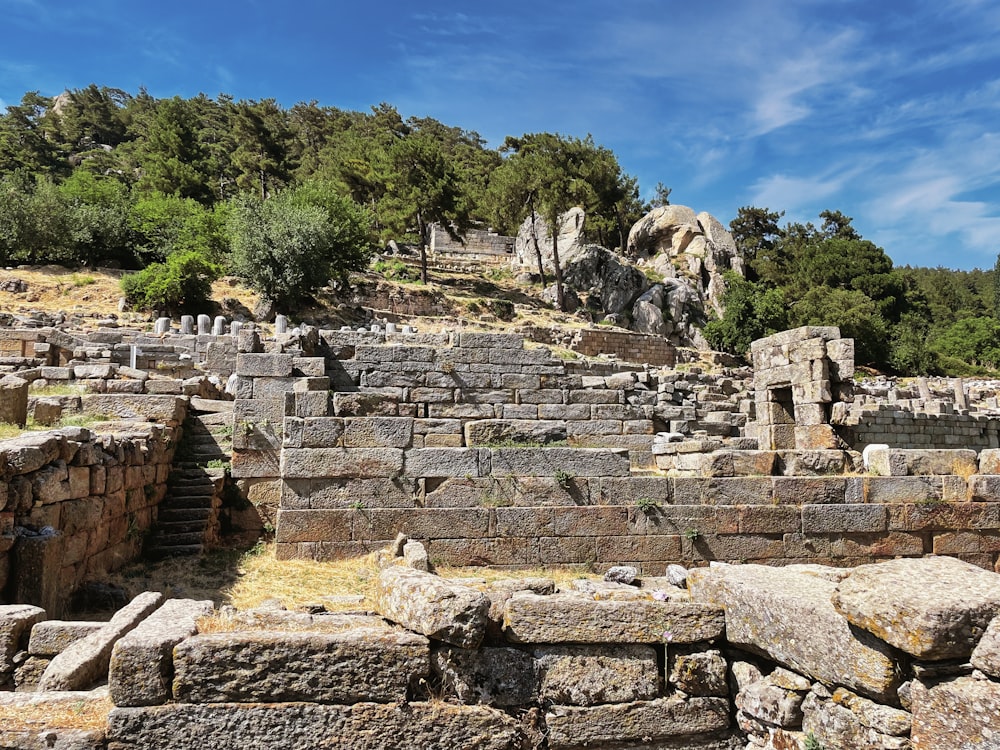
x,y
16,621
281,726
86,661
931,607
589,675
498,677
963,713
141,666
640,722
252,667
52,637
572,618
788,617
436,607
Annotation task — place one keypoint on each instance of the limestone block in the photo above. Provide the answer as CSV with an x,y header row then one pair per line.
x,y
86,661
815,462
697,671
151,408
51,637
440,609
264,365
896,462
773,703
989,461
931,607
514,431
787,616
577,462
13,400
816,437
574,618
499,677
638,723
442,462
141,664
378,432
275,667
589,675
346,463
281,726
29,453
16,621
47,411
959,713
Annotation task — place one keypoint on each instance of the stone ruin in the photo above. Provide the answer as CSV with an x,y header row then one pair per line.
x,y
768,585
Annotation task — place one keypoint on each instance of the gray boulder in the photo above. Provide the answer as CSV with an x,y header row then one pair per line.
x,y
611,283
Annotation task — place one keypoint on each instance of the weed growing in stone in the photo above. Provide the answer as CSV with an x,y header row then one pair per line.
x,y
692,534
563,478
647,504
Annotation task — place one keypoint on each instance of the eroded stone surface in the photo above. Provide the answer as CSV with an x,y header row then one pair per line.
x,y
963,713
495,676
588,675
15,622
51,637
932,607
788,617
986,657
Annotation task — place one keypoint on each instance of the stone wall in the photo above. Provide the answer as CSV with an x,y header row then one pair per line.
x,y
476,245
76,504
628,347
936,425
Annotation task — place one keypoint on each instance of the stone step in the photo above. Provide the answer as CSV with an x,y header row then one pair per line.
x,y
181,539
160,551
188,501
169,528
206,405
170,515
196,486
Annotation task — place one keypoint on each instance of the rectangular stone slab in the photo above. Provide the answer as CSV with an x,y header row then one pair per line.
x,y
638,722
15,621
51,637
569,618
787,616
141,662
962,714
931,607
250,667
288,726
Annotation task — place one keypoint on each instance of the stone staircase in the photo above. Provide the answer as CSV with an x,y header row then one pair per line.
x,y
188,517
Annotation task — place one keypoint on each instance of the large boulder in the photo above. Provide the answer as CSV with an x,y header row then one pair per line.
x,y
612,285
570,241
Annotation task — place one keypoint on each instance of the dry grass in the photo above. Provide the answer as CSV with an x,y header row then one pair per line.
x,y
64,713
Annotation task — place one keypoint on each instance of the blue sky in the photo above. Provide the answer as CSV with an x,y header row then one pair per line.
x,y
886,110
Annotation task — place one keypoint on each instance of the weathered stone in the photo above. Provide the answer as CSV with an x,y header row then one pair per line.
x,y
495,676
568,618
444,610
347,667
588,675
963,713
638,723
141,666
280,726
932,607
846,720
137,406
769,609
86,661
771,703
574,462
16,621
513,431
58,733
499,592
896,462
51,637
697,672
308,463
986,656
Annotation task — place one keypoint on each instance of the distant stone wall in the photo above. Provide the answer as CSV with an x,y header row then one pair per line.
x,y
945,427
475,245
628,347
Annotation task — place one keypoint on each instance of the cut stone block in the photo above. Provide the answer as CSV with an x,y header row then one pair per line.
x,y
86,661
16,621
164,409
896,462
787,616
51,637
281,726
850,721
575,462
568,618
931,607
589,675
308,463
986,657
251,667
425,603
499,677
697,672
638,723
141,663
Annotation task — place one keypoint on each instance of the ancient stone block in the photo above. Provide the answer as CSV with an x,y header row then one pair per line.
x,y
495,676
848,720
308,463
697,671
164,409
897,462
440,609
141,666
986,656
86,661
574,462
51,637
769,609
16,621
558,618
638,723
837,519
378,432
513,431
264,365
589,675
442,462
933,607
250,667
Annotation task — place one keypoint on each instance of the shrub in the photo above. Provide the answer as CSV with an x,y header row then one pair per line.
x,y
182,283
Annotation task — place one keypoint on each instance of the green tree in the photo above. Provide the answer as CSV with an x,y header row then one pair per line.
x,y
183,283
752,311
174,161
166,224
98,209
856,315
26,138
756,234
262,137
292,244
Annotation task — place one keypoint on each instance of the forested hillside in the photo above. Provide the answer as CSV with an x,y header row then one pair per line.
x,y
290,198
